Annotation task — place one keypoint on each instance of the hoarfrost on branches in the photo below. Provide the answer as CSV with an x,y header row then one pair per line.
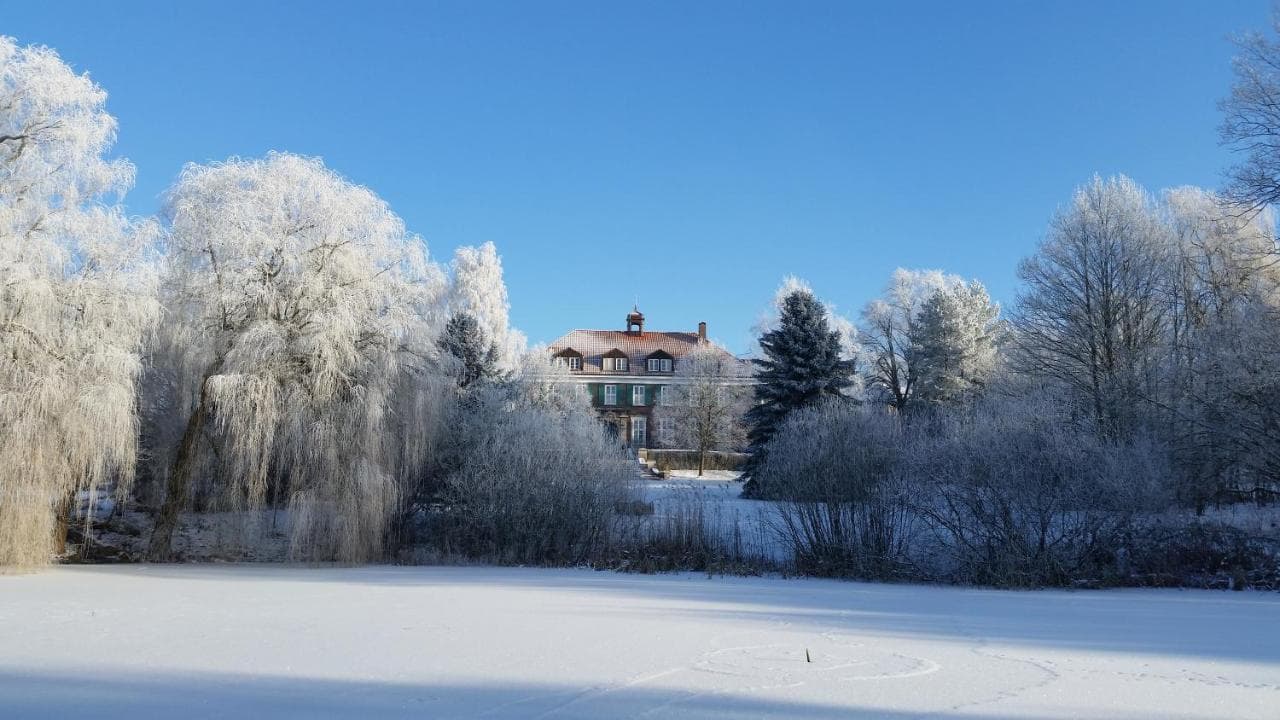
x,y
479,291
301,303
75,302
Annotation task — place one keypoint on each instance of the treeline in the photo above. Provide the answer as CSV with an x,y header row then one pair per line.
x,y
1140,319
1136,375
274,348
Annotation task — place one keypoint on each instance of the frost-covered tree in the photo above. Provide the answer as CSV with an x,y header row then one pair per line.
x,y
707,402
1251,122
479,291
888,331
549,385
300,303
1221,371
768,320
802,364
1091,315
75,302
957,334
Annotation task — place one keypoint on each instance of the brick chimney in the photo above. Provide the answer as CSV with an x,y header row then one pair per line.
x,y
702,331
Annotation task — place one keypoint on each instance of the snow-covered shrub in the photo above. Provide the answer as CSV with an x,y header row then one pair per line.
x,y
1019,495
845,506
1183,551
534,483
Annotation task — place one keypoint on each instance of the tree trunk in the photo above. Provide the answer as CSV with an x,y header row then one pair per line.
x,y
702,460
63,524
179,486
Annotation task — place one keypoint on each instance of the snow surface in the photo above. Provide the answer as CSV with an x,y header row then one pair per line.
x,y
707,475
237,641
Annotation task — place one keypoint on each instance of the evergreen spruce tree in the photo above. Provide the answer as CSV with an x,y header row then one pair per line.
x,y
802,365
476,357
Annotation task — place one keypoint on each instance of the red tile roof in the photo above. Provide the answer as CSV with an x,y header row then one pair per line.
x,y
593,344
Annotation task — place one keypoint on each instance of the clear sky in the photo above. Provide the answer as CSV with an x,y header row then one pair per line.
x,y
688,155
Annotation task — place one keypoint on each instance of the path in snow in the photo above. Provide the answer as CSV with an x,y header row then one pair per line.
x,y
380,642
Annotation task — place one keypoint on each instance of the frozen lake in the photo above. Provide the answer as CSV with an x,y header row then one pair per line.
x,y
228,641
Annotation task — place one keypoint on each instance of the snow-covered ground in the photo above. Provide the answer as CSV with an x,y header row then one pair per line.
x,y
707,475
228,641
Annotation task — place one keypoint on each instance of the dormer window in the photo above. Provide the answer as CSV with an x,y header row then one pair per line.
x,y
570,358
614,361
659,362
658,365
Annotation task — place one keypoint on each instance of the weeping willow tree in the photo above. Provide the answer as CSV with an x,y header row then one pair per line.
x,y
301,309
74,303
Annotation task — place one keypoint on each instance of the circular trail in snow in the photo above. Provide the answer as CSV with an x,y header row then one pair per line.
x,y
802,659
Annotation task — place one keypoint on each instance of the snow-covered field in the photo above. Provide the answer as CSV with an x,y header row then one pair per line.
x,y
226,641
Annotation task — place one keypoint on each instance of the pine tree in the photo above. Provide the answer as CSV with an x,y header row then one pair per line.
x,y
802,365
464,341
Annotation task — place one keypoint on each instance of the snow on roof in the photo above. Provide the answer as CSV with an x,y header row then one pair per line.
x,y
594,343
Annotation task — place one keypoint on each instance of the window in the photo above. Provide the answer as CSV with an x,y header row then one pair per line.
x,y
638,431
666,431
614,364
637,395
610,394
661,395
569,358
658,364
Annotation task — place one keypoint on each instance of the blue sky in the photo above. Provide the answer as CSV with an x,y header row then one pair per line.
x,y
688,155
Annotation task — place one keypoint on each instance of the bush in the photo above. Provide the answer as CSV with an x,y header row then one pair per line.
x,y
1000,493
534,486
1019,496
1190,552
845,507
